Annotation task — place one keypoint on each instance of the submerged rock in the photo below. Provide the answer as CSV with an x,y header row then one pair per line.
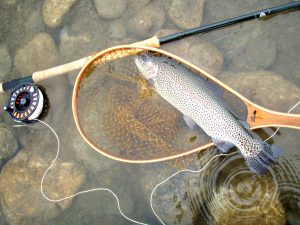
x,y
117,30
110,9
5,61
8,143
265,88
186,14
39,53
135,5
147,21
21,198
170,200
54,11
196,51
256,54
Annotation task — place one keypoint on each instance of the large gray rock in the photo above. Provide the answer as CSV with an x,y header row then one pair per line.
x,y
147,21
265,88
8,143
110,9
21,198
186,14
39,53
54,11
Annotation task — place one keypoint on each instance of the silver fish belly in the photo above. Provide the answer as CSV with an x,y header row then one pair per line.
x,y
201,102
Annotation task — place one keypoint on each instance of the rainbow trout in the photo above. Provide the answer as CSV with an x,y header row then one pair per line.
x,y
201,104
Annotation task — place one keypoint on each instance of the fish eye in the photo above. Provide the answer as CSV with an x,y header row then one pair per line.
x,y
143,58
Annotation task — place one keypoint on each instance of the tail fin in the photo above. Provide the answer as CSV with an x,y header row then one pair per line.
x,y
267,154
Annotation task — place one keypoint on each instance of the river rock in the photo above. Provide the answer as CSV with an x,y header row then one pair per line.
x,y
186,14
117,30
147,21
5,62
8,143
110,9
21,198
170,199
85,31
196,51
135,5
257,54
54,11
39,53
265,88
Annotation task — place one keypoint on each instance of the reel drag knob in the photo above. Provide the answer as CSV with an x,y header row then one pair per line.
x,y
25,103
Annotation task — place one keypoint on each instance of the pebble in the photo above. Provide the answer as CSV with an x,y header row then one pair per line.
x,y
54,11
186,14
265,88
21,198
110,9
5,62
9,145
147,21
38,54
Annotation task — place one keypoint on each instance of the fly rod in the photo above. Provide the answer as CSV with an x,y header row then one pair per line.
x,y
152,42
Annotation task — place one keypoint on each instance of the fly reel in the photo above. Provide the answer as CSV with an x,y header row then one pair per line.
x,y
26,103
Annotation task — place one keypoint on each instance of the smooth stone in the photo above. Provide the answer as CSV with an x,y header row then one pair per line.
x,y
8,143
265,88
110,9
54,11
117,30
186,14
5,62
257,54
21,198
39,53
196,51
147,21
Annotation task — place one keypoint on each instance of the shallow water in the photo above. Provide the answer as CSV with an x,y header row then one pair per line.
x,y
226,189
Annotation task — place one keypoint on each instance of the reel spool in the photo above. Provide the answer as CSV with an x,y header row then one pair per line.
x,y
26,103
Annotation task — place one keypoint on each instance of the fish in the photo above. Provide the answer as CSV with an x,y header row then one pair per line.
x,y
201,103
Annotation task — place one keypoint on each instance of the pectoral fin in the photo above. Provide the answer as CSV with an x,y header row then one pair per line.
x,y
189,121
223,145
